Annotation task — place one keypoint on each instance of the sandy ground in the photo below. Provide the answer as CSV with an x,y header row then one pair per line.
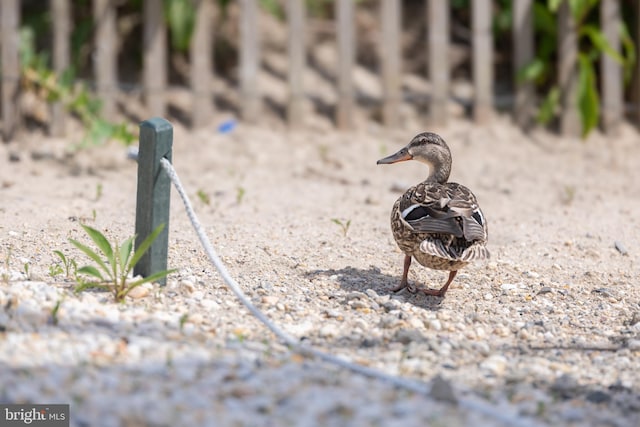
x,y
555,312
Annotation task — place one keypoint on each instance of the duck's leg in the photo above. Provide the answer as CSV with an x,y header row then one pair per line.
x,y
404,283
440,292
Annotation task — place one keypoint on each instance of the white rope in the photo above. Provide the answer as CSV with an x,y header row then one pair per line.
x,y
306,350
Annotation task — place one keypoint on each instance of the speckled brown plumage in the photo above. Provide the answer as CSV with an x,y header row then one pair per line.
x,y
437,223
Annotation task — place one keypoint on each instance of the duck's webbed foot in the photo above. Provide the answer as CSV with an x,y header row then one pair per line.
x,y
404,283
440,292
410,287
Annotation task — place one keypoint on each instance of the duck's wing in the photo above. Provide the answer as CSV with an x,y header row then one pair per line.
x,y
445,209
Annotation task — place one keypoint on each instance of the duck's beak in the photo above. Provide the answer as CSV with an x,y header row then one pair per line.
x,y
400,156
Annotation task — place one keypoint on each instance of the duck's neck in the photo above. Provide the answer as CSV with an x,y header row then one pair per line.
x,y
439,171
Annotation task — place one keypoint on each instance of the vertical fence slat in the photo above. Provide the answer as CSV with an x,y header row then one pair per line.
x,y
438,46
105,68
523,54
155,57
391,58
61,55
249,60
9,19
296,15
201,64
482,46
567,71
611,71
346,59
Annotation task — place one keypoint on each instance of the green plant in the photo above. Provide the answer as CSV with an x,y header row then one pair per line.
x,y
98,191
7,262
569,194
343,225
69,264
240,334
204,197
26,269
113,274
39,78
541,408
592,44
273,7
181,17
55,270
240,192
54,312
183,319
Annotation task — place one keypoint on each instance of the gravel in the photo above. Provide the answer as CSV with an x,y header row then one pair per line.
x,y
546,333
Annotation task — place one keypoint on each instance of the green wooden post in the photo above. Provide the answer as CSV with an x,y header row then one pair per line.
x,y
154,190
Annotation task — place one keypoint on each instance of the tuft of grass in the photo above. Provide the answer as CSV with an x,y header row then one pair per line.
x,y
240,334
7,263
569,194
69,264
204,197
27,271
54,312
240,194
55,270
343,225
113,273
183,319
98,191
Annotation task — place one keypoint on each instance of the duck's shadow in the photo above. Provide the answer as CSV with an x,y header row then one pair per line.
x,y
356,279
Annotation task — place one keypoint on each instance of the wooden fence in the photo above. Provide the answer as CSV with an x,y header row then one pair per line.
x,y
436,46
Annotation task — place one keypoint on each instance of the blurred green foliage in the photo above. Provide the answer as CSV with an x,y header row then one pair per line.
x,y
592,44
37,76
180,18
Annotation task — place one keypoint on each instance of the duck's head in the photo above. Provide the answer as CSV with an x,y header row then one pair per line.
x,y
429,148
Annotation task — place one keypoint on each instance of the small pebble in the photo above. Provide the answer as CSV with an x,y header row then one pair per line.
x,y
270,300
495,365
442,390
620,247
209,304
633,344
356,304
187,285
435,324
329,331
605,292
138,292
598,396
405,336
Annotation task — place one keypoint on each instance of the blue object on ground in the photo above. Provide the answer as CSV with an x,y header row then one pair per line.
x,y
227,126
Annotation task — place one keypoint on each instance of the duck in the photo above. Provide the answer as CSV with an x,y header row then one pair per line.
x,y
436,222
